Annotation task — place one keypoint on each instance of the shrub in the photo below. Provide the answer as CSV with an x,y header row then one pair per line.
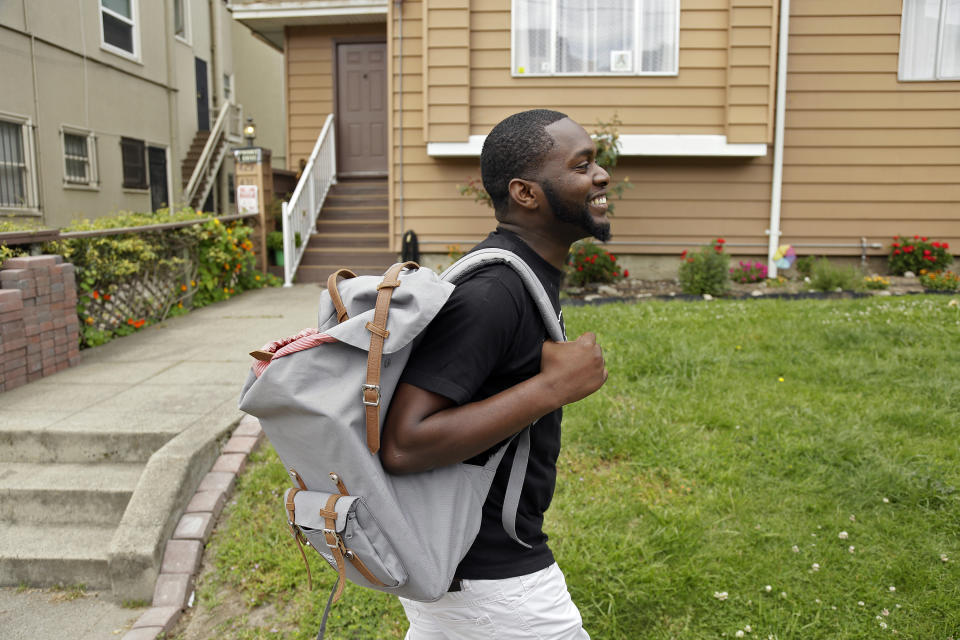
x,y
804,265
876,282
588,263
748,272
706,270
825,276
914,254
940,281
128,281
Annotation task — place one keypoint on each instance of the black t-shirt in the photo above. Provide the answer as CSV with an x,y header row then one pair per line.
x,y
487,338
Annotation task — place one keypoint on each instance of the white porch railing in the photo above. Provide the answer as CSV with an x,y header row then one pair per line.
x,y
226,128
300,213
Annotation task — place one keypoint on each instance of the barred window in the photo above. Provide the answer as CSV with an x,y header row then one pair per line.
x,y
595,37
17,176
78,158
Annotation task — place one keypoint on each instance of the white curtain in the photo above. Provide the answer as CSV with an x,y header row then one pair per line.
x,y
930,40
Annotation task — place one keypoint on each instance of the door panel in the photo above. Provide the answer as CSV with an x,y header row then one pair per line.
x,y
157,167
203,96
361,108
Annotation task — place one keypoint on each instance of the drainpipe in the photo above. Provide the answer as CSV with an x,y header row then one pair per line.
x,y
781,107
398,166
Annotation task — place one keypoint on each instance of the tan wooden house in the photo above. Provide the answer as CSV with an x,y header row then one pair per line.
x,y
861,142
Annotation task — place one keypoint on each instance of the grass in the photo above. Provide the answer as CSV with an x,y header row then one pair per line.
x,y
788,465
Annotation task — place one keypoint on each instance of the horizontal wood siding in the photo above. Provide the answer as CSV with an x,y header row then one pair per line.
x,y
865,155
311,79
752,65
676,202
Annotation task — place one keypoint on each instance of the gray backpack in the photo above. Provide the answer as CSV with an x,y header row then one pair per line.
x,y
321,398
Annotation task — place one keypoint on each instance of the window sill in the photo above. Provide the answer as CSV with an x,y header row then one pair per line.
x,y
183,40
631,145
600,74
121,53
32,212
137,191
79,186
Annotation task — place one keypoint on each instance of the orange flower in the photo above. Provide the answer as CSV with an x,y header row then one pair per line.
x,y
183,287
89,320
95,294
106,296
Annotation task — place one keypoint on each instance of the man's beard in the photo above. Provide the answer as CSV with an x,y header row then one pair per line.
x,y
578,215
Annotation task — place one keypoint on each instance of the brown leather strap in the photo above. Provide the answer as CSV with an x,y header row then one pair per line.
x,y
297,534
337,480
362,568
262,356
335,295
296,478
378,333
335,544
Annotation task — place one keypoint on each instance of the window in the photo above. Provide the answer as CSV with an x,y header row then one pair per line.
x,y
930,40
595,37
180,23
79,157
228,87
118,26
133,153
17,178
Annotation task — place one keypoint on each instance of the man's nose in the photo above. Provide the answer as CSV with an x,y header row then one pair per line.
x,y
601,176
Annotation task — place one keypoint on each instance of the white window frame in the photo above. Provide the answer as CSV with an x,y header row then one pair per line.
x,y
133,21
636,52
185,12
904,36
93,175
229,88
30,186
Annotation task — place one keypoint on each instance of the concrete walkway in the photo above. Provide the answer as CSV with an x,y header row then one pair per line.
x,y
97,462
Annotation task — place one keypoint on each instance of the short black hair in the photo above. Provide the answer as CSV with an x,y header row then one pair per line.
x,y
512,149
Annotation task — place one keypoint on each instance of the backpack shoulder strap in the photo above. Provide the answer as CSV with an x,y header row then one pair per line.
x,y
483,257
518,470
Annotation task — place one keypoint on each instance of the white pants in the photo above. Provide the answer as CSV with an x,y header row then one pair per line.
x,y
536,606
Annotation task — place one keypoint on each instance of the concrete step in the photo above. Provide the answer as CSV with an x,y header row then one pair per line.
x,y
365,214
351,226
79,445
349,257
365,240
45,556
56,495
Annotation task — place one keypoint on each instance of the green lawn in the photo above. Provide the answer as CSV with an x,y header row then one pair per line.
x,y
788,465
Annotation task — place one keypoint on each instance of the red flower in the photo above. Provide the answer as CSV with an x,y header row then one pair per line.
x,y
106,296
896,244
916,237
95,294
908,248
718,247
896,252
930,258
684,254
945,245
720,241
923,239
130,321
580,268
926,252
613,258
626,273
936,245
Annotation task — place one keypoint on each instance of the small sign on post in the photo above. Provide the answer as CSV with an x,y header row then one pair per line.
x,y
248,199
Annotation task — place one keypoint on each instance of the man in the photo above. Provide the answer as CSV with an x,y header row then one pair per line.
x,y
485,370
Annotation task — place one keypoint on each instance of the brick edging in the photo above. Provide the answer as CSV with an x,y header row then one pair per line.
x,y
184,550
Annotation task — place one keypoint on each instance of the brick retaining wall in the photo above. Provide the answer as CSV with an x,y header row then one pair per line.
x,y
39,329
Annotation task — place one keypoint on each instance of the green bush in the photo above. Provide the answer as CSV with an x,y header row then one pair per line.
x,y
825,276
940,281
705,271
131,280
804,265
588,262
917,254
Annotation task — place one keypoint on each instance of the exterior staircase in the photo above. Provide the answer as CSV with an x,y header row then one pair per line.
x,y
193,155
63,492
352,232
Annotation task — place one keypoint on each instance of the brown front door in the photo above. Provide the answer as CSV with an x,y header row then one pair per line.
x,y
362,109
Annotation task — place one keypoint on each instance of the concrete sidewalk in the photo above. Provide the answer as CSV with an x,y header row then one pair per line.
x,y
141,420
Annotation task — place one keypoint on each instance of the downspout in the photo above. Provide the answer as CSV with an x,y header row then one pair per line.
x,y
35,125
174,161
398,183
781,107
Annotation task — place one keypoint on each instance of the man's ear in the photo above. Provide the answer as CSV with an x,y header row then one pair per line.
x,y
525,193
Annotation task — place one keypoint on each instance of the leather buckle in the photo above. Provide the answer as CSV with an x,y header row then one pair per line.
x,y
363,394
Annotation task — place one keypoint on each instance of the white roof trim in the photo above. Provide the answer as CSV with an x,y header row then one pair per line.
x,y
630,145
286,10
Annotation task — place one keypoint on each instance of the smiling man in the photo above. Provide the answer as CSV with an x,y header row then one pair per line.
x,y
485,370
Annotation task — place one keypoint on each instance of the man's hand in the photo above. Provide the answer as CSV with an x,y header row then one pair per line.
x,y
575,369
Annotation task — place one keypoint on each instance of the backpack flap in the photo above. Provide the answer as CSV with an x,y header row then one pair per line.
x,y
414,304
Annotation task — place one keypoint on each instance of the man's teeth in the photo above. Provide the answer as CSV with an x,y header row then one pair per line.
x,y
599,200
